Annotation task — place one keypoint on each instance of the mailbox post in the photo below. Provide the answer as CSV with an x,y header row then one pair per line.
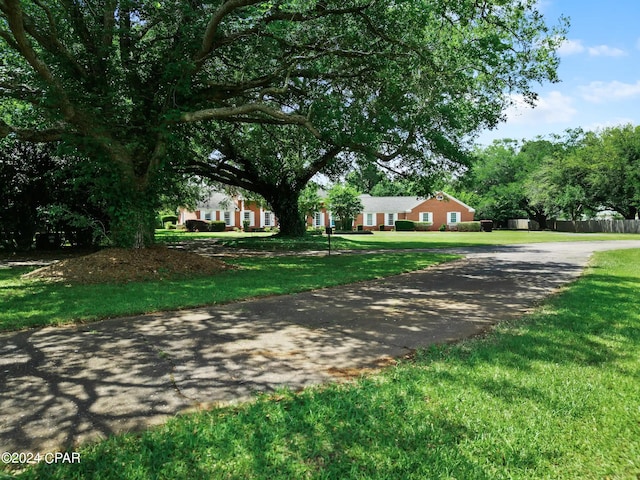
x,y
329,232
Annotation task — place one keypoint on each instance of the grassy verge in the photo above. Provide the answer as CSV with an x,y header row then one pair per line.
x,y
387,240
553,395
30,303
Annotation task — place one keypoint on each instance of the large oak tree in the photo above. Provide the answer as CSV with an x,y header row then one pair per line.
x,y
126,81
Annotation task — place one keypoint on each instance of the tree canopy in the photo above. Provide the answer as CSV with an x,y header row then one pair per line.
x,y
345,204
610,162
128,81
572,176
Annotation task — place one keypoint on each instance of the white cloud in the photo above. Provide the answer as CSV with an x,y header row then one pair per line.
x,y
599,92
571,47
552,108
606,51
614,122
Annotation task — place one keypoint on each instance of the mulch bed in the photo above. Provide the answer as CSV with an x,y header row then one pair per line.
x,y
117,265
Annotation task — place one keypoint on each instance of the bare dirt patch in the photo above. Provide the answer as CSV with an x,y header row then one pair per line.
x,y
349,373
117,265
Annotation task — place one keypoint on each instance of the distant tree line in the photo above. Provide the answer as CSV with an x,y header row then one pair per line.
x,y
570,176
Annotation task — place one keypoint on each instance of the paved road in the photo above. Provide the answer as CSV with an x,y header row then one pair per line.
x,y
63,386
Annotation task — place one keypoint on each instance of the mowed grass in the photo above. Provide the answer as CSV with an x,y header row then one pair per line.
x,y
386,240
31,303
555,394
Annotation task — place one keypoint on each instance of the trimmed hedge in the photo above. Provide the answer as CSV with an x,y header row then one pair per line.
x,y
468,226
405,225
422,226
197,225
217,226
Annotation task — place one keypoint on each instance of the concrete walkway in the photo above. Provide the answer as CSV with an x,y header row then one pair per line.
x,y
63,386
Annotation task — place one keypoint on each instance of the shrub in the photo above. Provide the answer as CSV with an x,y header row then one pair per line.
x,y
422,226
197,226
381,227
360,228
344,224
468,226
442,228
164,219
217,226
405,226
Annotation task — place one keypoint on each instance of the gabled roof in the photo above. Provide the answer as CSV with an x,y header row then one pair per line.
x,y
471,209
217,201
401,204
389,204
222,202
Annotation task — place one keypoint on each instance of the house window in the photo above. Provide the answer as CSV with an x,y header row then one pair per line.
x,y
426,217
390,219
248,216
268,219
207,216
369,219
317,219
228,219
332,222
453,217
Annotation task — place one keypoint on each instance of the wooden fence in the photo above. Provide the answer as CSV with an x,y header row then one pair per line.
x,y
594,226
522,224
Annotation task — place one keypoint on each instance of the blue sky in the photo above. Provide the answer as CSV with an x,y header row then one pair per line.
x,y
599,72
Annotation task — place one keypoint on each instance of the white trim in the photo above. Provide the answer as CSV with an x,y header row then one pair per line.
x,y
318,219
429,217
366,218
263,218
386,219
230,222
470,209
252,217
450,220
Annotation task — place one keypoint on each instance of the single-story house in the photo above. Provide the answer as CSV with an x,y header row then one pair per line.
x,y
234,211
439,209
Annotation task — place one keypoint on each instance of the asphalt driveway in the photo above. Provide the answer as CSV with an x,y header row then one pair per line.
x,y
63,386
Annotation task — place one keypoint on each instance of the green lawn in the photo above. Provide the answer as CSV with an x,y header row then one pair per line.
x,y
30,303
553,395
387,240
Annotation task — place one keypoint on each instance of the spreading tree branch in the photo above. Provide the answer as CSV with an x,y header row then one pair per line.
x,y
208,38
233,113
15,19
29,135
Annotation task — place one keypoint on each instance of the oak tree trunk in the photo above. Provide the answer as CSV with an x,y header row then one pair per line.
x,y
285,206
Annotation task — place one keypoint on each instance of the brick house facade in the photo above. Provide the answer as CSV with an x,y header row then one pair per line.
x,y
439,209
234,211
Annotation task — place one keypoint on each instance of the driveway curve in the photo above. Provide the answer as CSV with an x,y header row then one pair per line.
x,y
63,386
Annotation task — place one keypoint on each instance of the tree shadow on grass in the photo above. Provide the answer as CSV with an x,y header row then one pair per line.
x,y
251,346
